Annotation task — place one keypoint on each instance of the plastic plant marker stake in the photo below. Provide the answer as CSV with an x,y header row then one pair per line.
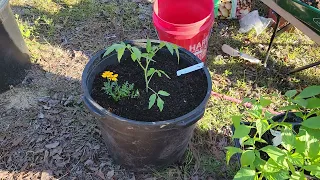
x,y
234,53
190,69
277,139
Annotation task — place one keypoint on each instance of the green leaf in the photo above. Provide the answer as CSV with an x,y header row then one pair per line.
x,y
313,132
307,144
273,152
137,52
313,103
154,49
160,103
314,169
259,163
236,121
314,148
296,159
313,122
150,72
164,73
120,53
309,92
265,102
231,151
163,93
249,141
162,44
176,48
291,93
133,57
277,175
169,47
301,146
145,55
262,126
301,102
271,166
241,131
245,174
260,140
109,50
148,48
288,139
298,176
248,100
247,158
244,139
114,47
152,100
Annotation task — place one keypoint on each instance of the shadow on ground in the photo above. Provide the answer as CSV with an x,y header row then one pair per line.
x,y
45,132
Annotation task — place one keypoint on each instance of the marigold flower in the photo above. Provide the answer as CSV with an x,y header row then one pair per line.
x,y
107,74
113,79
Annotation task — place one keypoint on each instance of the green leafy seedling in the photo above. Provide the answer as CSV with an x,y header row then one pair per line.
x,y
144,60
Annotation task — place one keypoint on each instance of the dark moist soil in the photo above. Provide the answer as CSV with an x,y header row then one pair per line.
x,y
186,91
314,3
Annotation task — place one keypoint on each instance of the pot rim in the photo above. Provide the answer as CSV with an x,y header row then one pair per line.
x,y
104,112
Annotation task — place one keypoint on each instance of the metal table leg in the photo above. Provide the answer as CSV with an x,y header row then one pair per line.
x,y
304,67
272,38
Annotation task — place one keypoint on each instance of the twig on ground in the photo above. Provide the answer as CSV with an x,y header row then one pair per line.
x,y
238,101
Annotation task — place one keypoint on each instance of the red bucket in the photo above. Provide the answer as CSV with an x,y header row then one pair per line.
x,y
186,23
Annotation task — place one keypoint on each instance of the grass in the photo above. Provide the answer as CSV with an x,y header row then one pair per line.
x,y
55,29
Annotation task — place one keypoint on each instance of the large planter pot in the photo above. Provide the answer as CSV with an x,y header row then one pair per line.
x,y
136,144
14,56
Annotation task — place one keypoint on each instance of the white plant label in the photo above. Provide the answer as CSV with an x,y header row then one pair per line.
x,y
190,69
277,139
240,142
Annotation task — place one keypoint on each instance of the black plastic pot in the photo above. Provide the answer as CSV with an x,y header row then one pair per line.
x,y
142,145
14,59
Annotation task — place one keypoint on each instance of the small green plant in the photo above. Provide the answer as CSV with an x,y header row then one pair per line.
x,y
226,73
144,60
292,152
116,91
26,30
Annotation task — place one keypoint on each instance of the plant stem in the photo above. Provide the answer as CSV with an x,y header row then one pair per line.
x,y
153,91
146,80
150,78
146,74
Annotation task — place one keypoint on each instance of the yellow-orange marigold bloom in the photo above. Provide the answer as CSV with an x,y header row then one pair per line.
x,y
107,74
